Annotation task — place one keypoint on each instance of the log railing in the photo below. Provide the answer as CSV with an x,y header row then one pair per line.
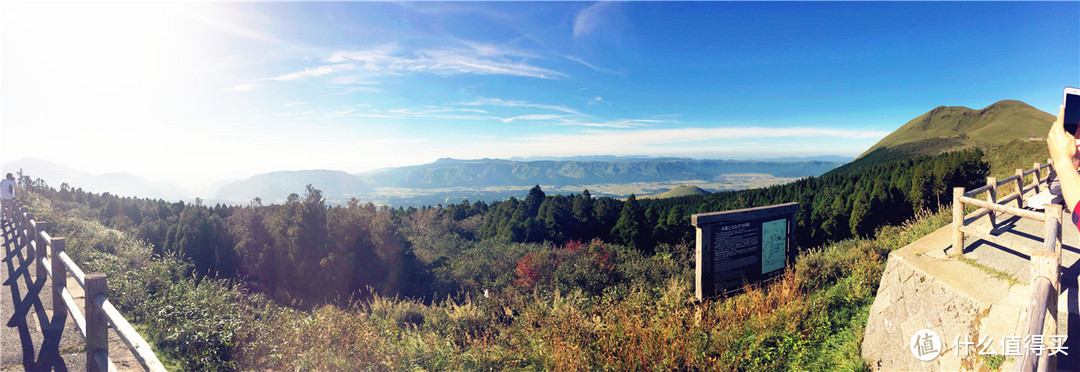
x,y
1045,259
52,261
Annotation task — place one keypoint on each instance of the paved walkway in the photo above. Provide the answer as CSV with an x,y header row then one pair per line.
x,y
1031,233
33,338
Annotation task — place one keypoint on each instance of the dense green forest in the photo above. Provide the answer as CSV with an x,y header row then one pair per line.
x,y
245,269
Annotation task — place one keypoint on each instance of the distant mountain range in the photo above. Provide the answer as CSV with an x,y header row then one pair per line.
x,y
479,174
445,180
939,130
123,184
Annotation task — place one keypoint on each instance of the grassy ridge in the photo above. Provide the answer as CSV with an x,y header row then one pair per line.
x,y
953,128
578,306
677,191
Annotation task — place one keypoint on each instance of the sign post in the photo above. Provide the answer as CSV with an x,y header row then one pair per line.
x,y
742,246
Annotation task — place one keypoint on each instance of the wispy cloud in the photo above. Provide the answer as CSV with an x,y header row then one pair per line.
x,y
534,117
355,89
685,141
473,58
676,135
590,65
515,103
313,72
359,66
590,18
621,123
455,113
345,110
292,104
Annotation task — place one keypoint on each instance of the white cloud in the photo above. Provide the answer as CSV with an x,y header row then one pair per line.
x,y
344,110
534,117
358,67
590,18
475,58
379,116
621,123
590,65
313,72
684,141
591,138
292,104
513,103
355,89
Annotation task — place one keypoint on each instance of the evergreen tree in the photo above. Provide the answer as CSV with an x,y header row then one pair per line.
x,y
631,228
533,200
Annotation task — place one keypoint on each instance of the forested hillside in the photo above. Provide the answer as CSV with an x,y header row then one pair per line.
x,y
546,281
306,252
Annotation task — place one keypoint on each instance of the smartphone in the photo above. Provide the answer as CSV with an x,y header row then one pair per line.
x,y
1071,101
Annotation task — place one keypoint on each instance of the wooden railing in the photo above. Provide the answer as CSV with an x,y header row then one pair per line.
x,y
1045,259
50,260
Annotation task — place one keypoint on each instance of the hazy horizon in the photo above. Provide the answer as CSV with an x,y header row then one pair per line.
x,y
198,93
209,187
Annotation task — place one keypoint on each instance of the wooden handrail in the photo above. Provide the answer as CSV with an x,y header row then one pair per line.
x,y
977,191
139,347
1006,180
48,253
1045,260
1004,209
73,269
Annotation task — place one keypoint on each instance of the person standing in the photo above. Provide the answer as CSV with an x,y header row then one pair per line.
x,y
7,193
1063,150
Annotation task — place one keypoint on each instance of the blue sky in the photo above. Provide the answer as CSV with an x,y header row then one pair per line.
x,y
194,93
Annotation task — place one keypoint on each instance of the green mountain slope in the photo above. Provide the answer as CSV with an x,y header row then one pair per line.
x,y
953,128
1003,127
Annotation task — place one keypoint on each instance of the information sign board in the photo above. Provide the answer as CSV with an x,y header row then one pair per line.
x,y
742,246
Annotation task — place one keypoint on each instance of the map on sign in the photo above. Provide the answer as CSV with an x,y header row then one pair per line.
x,y
773,245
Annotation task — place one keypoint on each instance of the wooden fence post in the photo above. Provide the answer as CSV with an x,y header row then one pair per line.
x,y
1053,213
1038,178
35,253
958,221
1019,188
22,226
97,337
59,278
42,250
1048,264
991,196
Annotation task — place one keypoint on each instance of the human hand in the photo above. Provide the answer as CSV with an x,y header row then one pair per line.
x,y
1061,145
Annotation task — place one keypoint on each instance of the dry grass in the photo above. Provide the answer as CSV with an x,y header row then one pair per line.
x,y
810,318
